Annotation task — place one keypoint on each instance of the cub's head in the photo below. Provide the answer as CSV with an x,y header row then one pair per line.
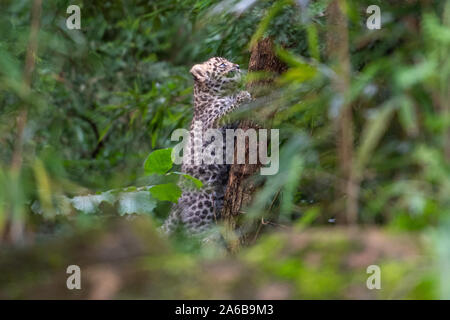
x,y
216,75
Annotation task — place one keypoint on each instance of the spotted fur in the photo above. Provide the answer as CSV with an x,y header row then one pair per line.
x,y
215,95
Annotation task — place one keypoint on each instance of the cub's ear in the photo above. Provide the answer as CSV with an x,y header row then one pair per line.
x,y
198,73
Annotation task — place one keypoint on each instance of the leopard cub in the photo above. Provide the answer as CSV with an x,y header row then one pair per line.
x,y
215,95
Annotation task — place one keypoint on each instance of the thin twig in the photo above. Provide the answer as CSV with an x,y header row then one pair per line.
x,y
16,162
17,225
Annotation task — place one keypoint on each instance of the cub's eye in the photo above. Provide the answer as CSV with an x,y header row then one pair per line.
x,y
223,65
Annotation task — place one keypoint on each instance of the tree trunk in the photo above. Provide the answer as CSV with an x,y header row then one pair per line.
x,y
240,188
347,185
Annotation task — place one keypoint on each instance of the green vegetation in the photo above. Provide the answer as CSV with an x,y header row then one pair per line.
x,y
85,170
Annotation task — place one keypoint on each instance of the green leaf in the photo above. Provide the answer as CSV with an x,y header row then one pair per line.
x,y
307,219
408,76
166,192
265,21
136,202
300,70
289,58
299,74
407,116
372,134
90,203
198,183
159,161
313,41
104,132
292,181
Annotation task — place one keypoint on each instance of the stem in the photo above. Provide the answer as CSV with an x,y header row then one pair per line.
x,y
338,50
17,227
16,162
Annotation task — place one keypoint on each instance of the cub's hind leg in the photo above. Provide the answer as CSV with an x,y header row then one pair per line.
x,y
173,220
198,215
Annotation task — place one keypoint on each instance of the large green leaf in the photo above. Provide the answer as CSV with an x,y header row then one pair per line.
x,y
127,202
136,202
166,192
158,162
90,203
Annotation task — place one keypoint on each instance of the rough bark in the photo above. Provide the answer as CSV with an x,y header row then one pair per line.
x,y
240,188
